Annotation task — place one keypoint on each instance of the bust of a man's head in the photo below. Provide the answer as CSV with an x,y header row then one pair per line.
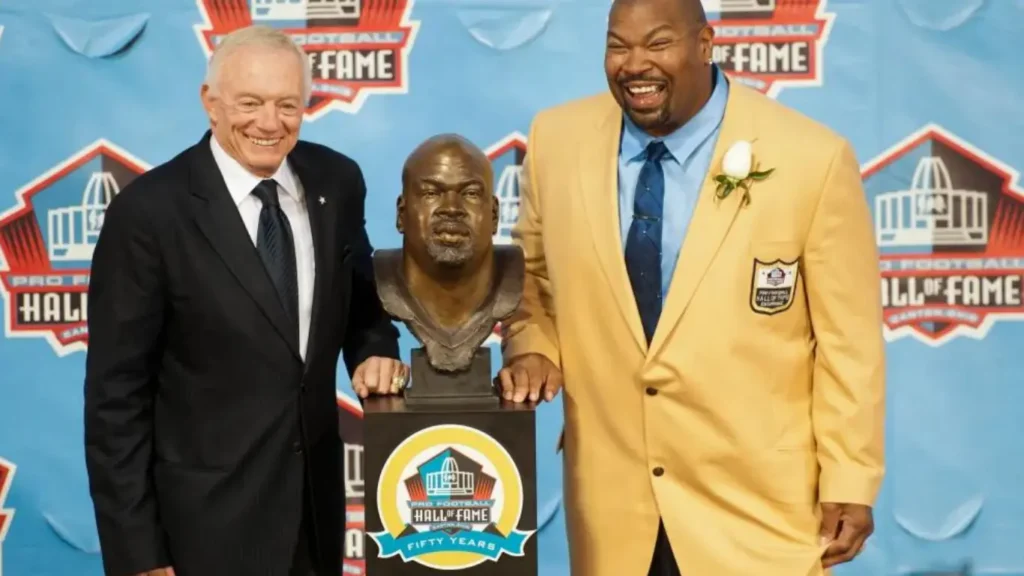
x,y
448,283
447,211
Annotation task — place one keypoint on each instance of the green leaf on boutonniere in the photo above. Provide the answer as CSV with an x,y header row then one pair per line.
x,y
726,184
724,189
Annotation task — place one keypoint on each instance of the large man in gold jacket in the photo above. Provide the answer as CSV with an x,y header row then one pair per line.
x,y
723,405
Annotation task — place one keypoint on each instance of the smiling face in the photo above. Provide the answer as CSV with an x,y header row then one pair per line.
x,y
656,61
255,107
447,211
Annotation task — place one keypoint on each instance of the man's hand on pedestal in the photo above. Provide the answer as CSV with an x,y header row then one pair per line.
x,y
530,376
379,375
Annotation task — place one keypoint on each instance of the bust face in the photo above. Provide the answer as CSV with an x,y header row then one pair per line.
x,y
447,210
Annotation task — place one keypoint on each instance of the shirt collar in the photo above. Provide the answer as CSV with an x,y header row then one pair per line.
x,y
687,137
241,182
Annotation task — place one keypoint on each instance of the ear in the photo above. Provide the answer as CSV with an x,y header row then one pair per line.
x,y
495,205
400,216
706,38
207,98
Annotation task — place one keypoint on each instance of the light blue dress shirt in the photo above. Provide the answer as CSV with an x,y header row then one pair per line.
x,y
691,147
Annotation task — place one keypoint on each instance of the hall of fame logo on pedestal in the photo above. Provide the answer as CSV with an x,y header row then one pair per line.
x,y
770,44
6,514
949,224
449,498
46,243
355,47
506,156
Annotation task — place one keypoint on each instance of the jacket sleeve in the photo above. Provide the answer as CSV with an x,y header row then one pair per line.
x,y
126,307
370,331
532,327
842,282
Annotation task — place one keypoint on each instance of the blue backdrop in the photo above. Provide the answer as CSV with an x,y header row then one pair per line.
x,y
95,92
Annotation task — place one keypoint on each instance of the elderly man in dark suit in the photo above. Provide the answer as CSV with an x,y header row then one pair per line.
x,y
225,285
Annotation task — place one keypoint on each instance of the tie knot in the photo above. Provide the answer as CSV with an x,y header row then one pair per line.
x,y
656,151
266,191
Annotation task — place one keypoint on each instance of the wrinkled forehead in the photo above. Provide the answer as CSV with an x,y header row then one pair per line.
x,y
264,69
451,166
644,16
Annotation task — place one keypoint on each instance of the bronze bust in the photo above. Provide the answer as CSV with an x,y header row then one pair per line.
x,y
448,283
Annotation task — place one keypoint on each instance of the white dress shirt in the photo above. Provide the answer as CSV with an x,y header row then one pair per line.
x,y
241,183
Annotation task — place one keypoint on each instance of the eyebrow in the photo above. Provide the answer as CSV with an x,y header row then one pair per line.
x,y
440,184
258,97
647,36
658,29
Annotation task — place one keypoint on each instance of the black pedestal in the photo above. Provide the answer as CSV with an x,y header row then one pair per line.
x,y
472,386
450,487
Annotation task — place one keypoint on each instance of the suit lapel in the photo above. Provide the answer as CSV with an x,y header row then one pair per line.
x,y
712,220
218,219
599,191
322,211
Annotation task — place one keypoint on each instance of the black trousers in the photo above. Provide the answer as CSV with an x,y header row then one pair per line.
x,y
664,562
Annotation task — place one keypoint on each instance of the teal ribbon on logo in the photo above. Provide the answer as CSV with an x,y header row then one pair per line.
x,y
491,546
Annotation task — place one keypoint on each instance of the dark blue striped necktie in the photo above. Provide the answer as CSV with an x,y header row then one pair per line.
x,y
276,246
643,244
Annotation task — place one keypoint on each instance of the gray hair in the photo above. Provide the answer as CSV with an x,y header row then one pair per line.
x,y
264,37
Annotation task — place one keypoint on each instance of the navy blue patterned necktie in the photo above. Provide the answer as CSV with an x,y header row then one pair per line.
x,y
276,247
643,244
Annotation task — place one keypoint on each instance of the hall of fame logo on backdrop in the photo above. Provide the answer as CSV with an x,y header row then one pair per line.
x,y
949,224
47,239
506,156
350,427
450,497
355,47
6,514
770,44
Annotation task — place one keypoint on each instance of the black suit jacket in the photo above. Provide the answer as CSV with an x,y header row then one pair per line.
x,y
202,422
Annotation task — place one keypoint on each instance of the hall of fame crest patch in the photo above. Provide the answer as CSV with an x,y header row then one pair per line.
x,y
773,286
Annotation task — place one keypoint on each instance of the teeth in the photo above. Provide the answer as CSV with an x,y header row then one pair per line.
x,y
643,89
264,141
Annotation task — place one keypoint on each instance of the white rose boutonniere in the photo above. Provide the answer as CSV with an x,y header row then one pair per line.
x,y
736,171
